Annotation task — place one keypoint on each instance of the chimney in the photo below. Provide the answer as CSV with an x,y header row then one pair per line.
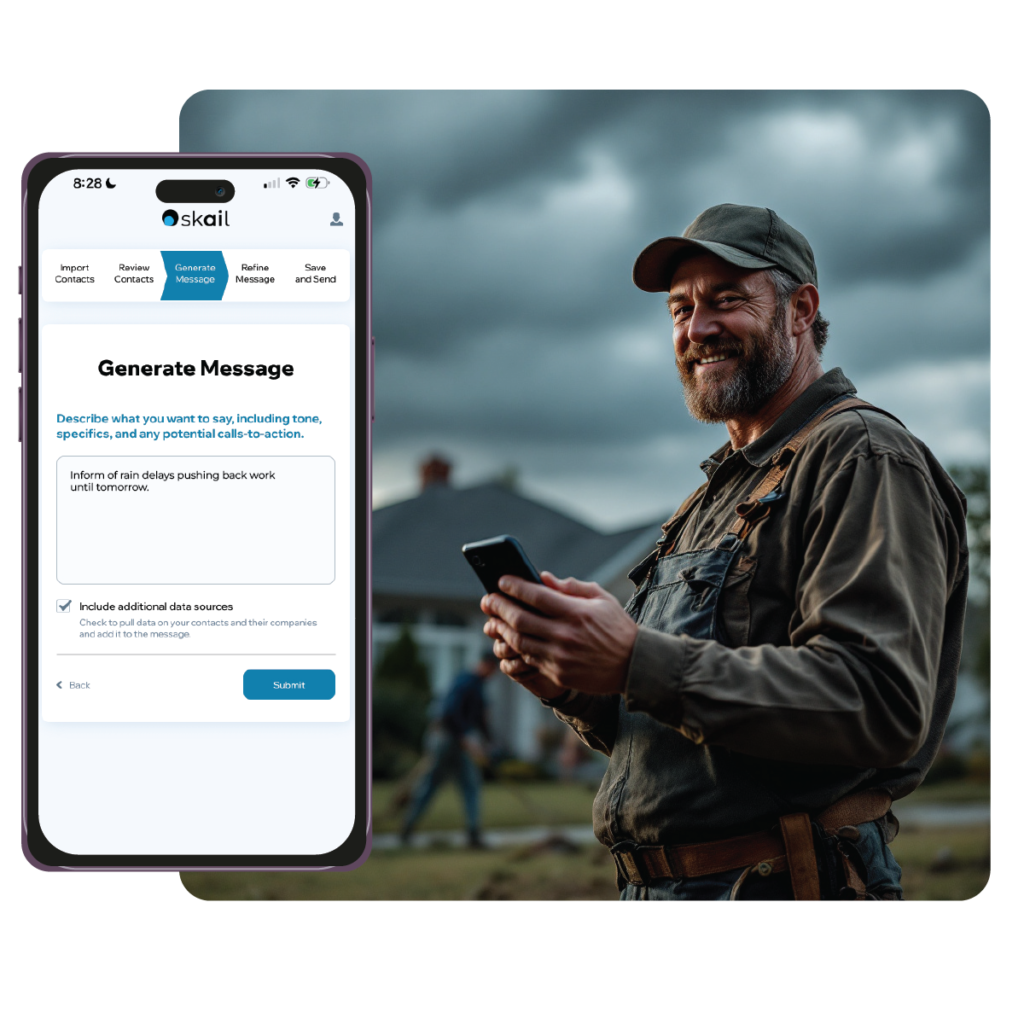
x,y
434,472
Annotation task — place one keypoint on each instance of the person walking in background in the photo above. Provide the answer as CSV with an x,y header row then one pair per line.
x,y
455,747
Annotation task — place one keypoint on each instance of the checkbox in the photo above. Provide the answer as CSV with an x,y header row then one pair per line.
x,y
64,606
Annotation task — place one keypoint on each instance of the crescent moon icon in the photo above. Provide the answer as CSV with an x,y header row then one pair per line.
x,y
109,184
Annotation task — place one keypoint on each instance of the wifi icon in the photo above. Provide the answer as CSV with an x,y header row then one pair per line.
x,y
292,181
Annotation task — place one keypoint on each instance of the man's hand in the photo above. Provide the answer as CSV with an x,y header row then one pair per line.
x,y
574,634
472,746
517,670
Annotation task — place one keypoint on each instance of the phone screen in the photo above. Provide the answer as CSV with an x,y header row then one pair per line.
x,y
196,356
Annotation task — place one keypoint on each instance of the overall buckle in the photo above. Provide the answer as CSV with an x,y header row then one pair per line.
x,y
632,867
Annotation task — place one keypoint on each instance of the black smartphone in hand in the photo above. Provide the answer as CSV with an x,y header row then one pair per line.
x,y
499,556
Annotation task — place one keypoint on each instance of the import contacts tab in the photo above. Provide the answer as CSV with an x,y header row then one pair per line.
x,y
211,275
102,275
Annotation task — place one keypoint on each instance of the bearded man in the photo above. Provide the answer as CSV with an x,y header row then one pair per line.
x,y
786,666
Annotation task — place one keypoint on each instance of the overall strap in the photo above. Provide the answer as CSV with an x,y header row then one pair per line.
x,y
674,526
670,531
757,505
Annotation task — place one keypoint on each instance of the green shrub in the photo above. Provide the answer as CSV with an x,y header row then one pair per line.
x,y
948,765
511,769
401,702
979,766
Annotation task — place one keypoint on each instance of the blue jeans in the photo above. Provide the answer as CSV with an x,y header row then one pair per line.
x,y
881,878
447,758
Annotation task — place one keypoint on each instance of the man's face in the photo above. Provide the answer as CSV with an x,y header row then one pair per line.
x,y
733,351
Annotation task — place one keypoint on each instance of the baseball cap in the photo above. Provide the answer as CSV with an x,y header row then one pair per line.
x,y
753,237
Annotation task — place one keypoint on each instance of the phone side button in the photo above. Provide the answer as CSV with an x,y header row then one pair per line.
x,y
20,343
19,280
19,415
373,380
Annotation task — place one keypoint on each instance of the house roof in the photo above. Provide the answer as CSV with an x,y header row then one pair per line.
x,y
417,544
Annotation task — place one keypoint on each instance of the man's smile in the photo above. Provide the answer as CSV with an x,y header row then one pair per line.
x,y
700,364
710,360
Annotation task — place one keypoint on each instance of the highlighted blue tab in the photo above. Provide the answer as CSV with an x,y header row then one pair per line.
x,y
288,684
193,275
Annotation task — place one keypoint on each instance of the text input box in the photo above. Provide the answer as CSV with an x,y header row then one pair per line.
x,y
196,519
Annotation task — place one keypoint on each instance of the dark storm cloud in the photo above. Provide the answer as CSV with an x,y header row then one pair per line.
x,y
885,185
444,150
447,391
506,224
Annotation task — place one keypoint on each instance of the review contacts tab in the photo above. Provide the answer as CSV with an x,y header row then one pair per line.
x,y
205,275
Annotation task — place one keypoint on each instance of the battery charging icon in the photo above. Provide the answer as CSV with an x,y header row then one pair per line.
x,y
317,183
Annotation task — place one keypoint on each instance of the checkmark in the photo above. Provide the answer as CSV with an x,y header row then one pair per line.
x,y
64,606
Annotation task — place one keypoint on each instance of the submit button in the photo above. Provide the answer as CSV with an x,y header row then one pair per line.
x,y
288,684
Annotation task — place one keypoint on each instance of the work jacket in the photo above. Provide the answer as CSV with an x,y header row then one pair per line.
x,y
832,662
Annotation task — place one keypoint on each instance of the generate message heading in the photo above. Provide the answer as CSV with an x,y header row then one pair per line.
x,y
108,368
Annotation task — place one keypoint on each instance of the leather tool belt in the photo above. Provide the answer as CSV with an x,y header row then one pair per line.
x,y
789,847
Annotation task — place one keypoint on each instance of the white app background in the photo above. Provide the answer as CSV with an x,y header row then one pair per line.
x,y
196,523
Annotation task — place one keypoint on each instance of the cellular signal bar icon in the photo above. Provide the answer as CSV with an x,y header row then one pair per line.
x,y
276,183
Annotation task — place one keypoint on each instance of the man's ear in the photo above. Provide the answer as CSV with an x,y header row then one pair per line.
x,y
803,305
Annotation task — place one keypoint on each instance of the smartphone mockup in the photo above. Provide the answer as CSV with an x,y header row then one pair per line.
x,y
195,414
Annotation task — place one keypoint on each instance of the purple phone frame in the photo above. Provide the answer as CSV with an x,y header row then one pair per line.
x,y
369,348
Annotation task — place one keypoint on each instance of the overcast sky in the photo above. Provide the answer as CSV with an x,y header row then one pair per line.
x,y
509,332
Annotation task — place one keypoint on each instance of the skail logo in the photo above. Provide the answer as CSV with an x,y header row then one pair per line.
x,y
196,220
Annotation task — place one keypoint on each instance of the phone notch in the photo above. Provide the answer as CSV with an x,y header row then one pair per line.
x,y
206,190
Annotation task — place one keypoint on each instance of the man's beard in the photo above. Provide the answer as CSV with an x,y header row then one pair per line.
x,y
764,364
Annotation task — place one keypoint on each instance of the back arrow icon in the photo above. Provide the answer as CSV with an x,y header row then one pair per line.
x,y
58,686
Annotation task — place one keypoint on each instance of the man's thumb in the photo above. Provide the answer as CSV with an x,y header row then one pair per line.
x,y
572,586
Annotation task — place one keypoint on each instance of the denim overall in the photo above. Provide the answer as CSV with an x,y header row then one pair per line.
x,y
727,793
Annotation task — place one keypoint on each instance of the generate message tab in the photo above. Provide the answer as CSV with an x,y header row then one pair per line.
x,y
212,275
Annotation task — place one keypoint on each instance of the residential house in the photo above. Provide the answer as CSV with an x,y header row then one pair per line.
x,y
420,576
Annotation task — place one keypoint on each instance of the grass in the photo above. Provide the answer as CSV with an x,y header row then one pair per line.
x,y
515,804
454,874
938,863
943,863
954,791
584,873
503,805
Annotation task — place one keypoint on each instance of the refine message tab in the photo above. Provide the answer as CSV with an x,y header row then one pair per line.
x,y
203,275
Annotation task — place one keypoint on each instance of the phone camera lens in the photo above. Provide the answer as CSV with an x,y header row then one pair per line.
x,y
477,560
219,190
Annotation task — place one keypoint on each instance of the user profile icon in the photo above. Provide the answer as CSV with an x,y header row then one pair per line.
x,y
336,223
170,217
